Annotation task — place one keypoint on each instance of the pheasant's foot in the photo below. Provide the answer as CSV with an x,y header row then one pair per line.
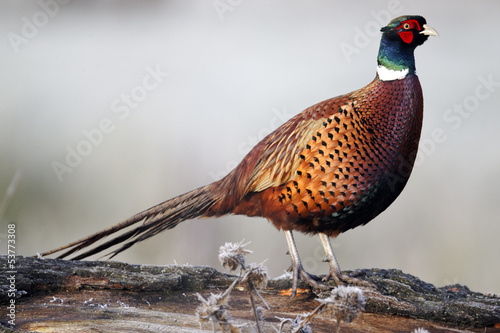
x,y
343,279
299,273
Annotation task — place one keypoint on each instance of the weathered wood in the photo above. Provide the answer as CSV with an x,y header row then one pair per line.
x,y
104,296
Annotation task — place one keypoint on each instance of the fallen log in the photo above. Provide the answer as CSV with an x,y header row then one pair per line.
x,y
53,295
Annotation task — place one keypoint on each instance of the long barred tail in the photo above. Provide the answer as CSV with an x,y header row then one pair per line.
x,y
163,216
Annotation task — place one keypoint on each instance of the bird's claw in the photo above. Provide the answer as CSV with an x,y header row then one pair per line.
x,y
299,273
343,279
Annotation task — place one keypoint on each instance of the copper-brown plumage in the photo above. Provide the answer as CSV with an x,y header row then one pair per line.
x,y
352,165
331,168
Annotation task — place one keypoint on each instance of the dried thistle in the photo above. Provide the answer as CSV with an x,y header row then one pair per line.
x,y
214,309
232,255
299,325
255,275
344,304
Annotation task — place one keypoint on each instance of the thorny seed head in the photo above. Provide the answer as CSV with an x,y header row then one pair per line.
x,y
420,330
295,323
344,303
232,255
256,274
213,308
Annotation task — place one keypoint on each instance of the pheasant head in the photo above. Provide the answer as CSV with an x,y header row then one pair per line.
x,y
399,40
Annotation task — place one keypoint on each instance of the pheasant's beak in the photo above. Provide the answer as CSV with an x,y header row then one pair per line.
x,y
428,31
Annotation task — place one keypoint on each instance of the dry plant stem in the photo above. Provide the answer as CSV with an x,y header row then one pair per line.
x,y
283,322
229,289
253,290
337,330
262,299
259,328
308,318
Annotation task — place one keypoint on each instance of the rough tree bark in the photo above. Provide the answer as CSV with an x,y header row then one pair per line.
x,y
103,296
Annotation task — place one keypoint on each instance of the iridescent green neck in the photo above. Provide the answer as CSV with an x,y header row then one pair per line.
x,y
395,56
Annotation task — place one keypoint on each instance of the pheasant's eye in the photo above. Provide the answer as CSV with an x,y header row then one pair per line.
x,y
406,26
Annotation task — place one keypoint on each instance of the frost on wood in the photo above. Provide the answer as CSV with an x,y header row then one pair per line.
x,y
52,293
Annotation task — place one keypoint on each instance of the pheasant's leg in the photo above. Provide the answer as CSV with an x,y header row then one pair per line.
x,y
297,269
335,272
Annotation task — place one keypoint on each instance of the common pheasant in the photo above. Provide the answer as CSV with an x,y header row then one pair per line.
x,y
331,168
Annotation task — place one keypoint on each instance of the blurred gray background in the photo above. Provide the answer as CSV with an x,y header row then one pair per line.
x,y
76,79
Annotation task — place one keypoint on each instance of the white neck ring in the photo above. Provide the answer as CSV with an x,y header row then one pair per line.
x,y
386,74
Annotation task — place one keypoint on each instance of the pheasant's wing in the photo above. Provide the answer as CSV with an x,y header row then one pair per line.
x,y
279,153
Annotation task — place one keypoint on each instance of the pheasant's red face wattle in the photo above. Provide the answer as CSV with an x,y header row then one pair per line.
x,y
406,28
